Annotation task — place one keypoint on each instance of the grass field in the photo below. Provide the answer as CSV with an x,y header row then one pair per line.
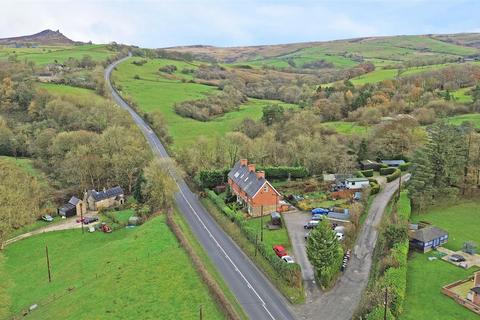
x,y
461,95
344,127
271,237
139,273
472,117
46,55
27,165
424,281
64,90
154,92
425,278
460,220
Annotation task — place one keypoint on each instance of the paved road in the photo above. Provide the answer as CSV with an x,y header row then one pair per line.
x,y
342,301
258,297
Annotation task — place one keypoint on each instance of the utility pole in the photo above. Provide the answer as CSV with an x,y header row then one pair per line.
x,y
261,224
201,312
386,303
48,264
81,220
399,186
256,243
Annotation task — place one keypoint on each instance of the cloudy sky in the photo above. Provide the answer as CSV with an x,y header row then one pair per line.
x,y
164,23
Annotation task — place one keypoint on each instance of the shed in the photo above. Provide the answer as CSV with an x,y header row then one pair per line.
x,y
369,165
428,238
393,163
357,183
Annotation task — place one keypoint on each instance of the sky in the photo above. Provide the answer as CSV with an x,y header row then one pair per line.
x,y
164,23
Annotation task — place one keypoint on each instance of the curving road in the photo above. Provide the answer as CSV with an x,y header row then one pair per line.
x,y
255,293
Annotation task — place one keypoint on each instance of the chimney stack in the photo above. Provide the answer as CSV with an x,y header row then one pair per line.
x,y
243,162
251,167
260,175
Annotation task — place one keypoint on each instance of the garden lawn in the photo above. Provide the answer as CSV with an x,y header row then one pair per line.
x,y
271,237
48,54
156,92
460,220
139,273
424,299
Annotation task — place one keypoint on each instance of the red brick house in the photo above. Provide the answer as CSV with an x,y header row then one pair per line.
x,y
253,191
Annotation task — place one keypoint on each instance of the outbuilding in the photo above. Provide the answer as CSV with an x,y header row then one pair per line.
x,y
357,183
393,163
428,238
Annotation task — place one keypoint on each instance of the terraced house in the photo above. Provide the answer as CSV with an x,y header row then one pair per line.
x,y
253,191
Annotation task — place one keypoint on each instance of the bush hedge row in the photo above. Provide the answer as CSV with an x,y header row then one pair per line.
x,y
394,175
374,186
289,272
405,166
387,171
284,172
367,173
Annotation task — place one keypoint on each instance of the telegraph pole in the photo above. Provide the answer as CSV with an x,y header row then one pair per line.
x,y
261,224
201,312
81,220
48,264
256,243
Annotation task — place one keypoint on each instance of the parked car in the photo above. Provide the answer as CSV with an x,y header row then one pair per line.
x,y
279,251
88,220
288,259
317,217
320,211
105,227
311,224
47,218
456,258
340,236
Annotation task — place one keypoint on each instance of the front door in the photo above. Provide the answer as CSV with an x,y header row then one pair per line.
x,y
436,242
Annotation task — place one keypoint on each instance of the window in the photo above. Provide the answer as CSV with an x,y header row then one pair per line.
x,y
265,189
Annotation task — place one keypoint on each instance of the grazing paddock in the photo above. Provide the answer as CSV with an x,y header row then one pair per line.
x,y
138,273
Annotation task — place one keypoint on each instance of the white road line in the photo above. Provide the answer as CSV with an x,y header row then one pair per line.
x,y
155,142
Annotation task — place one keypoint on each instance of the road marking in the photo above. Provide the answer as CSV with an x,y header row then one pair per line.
x,y
156,146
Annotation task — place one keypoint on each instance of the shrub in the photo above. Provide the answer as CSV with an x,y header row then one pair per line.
x,y
169,68
284,172
387,171
404,166
367,173
136,77
374,186
211,178
396,174
359,174
139,62
378,314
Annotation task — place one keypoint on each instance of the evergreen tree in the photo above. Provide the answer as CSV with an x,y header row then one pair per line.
x,y
137,188
325,253
438,166
362,150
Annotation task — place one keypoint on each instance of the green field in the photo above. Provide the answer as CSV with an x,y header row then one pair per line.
x,y
47,55
472,117
64,90
139,273
461,95
27,165
344,127
154,92
424,299
425,278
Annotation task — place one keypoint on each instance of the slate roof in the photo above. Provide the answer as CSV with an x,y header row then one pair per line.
x,y
428,234
393,162
246,180
74,200
476,290
67,207
110,193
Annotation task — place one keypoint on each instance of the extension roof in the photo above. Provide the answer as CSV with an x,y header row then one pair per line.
x,y
74,201
476,290
110,193
247,180
428,234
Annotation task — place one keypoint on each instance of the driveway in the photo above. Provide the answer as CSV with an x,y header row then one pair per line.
x,y
342,301
66,224
294,221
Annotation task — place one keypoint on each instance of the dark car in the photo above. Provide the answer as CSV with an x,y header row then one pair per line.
x,y
88,220
311,224
317,217
456,258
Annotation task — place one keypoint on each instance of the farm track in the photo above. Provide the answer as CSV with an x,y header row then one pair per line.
x,y
254,292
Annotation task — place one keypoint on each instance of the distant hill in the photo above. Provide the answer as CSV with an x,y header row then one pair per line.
x,y
390,49
45,37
